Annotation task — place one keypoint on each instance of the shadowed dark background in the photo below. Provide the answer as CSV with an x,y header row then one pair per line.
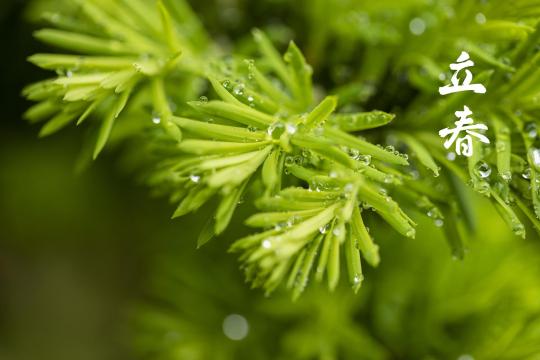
x,y
70,245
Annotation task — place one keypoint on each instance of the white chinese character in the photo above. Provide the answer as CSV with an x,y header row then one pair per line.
x,y
464,61
465,123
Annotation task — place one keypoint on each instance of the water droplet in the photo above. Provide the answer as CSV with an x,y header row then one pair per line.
x,y
290,128
324,229
298,160
203,99
480,18
266,244
250,99
239,90
357,279
276,129
194,178
417,26
356,155
156,119
482,169
531,129
235,327
518,228
534,156
526,173
289,160
364,159
226,84
438,222
506,175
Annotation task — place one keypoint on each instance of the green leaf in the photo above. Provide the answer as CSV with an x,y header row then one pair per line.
x,y
360,121
333,263
509,216
400,222
108,122
296,269
421,152
81,93
88,111
364,147
318,115
479,184
56,61
239,113
207,232
227,206
223,93
268,87
503,147
307,264
218,132
301,73
364,240
274,59
323,147
58,122
268,219
116,29
82,43
169,30
194,200
271,172
41,111
504,30
354,265
209,147
234,175
452,233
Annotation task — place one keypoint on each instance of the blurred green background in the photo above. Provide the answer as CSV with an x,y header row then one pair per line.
x,y
80,254
71,245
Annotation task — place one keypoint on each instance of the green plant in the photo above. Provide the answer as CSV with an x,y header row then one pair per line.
x,y
300,150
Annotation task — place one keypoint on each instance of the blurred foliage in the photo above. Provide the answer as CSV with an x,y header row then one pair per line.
x,y
418,304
